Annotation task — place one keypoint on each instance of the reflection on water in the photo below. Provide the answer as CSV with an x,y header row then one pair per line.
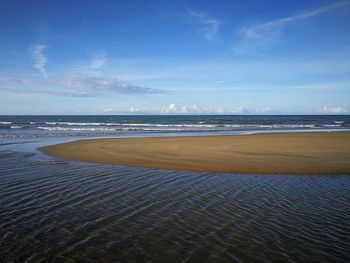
x,y
54,210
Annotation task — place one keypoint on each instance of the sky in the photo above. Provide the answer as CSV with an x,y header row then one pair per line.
x,y
175,57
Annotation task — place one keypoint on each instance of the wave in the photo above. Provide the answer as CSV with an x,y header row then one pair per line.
x,y
78,123
58,128
105,127
11,127
121,124
182,127
199,125
196,125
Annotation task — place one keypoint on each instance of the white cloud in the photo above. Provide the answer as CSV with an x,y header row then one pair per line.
x,y
98,61
184,109
268,34
219,110
88,86
109,109
134,110
38,57
265,110
238,110
194,109
76,86
127,111
209,26
171,108
334,110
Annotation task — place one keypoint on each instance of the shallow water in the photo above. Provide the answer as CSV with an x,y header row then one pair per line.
x,y
62,211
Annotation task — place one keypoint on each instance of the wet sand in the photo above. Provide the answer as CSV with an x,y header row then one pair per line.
x,y
274,153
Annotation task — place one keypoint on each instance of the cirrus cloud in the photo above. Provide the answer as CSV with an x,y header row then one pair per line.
x,y
40,60
209,25
268,34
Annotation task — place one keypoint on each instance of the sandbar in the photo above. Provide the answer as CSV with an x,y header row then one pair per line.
x,y
272,153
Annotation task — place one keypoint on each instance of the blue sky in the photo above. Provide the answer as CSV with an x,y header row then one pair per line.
x,y
175,57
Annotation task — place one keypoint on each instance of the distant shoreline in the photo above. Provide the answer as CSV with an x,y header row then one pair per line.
x,y
265,153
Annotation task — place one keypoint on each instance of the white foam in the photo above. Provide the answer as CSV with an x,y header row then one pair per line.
x,y
58,128
76,123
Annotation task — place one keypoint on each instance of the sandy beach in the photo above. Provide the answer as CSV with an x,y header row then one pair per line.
x,y
274,153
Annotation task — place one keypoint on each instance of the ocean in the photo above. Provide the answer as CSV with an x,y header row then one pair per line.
x,y
51,126
54,210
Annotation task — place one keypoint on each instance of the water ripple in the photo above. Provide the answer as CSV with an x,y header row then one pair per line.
x,y
63,211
